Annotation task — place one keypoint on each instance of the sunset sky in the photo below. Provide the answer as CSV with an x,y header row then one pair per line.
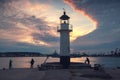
x,y
31,25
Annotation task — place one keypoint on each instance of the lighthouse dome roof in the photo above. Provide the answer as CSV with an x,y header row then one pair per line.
x,y
64,16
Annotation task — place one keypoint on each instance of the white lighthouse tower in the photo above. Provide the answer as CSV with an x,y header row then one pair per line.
x,y
64,30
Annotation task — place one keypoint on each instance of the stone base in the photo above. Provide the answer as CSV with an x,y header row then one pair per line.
x,y
57,65
65,61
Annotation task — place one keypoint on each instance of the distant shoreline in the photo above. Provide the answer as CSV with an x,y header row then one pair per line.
x,y
58,57
54,54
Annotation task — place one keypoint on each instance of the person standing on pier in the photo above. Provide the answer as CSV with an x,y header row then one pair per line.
x,y
32,63
10,64
87,60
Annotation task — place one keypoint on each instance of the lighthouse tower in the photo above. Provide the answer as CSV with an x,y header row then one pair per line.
x,y
64,30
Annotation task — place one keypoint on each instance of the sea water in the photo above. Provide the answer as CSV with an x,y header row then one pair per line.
x,y
24,62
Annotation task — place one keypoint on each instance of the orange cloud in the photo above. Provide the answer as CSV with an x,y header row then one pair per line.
x,y
43,12
71,3
91,26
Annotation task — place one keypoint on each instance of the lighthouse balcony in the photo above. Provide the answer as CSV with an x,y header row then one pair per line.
x,y
68,28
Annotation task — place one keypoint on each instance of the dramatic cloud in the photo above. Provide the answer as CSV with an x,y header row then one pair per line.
x,y
106,13
6,1
30,25
17,26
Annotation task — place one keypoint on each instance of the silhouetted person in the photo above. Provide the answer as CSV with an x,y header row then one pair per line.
x,y
10,64
32,63
87,60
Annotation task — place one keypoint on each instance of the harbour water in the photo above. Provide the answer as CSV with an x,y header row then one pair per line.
x,y
24,62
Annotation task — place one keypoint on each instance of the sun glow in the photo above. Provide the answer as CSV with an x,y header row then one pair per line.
x,y
95,23
45,11
83,27
87,27
29,39
47,17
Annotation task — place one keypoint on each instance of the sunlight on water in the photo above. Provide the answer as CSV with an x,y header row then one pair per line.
x,y
81,59
24,62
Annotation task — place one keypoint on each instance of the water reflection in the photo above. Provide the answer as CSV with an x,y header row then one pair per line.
x,y
24,62
81,59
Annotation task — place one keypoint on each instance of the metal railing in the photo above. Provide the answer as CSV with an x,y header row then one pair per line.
x,y
70,28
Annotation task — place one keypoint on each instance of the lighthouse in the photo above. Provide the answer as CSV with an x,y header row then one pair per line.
x,y
65,28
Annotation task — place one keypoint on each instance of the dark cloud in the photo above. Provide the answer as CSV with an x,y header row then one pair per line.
x,y
10,46
46,37
14,23
6,1
10,16
104,47
9,1
106,13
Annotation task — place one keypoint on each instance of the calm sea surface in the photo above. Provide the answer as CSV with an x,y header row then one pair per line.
x,y
24,62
